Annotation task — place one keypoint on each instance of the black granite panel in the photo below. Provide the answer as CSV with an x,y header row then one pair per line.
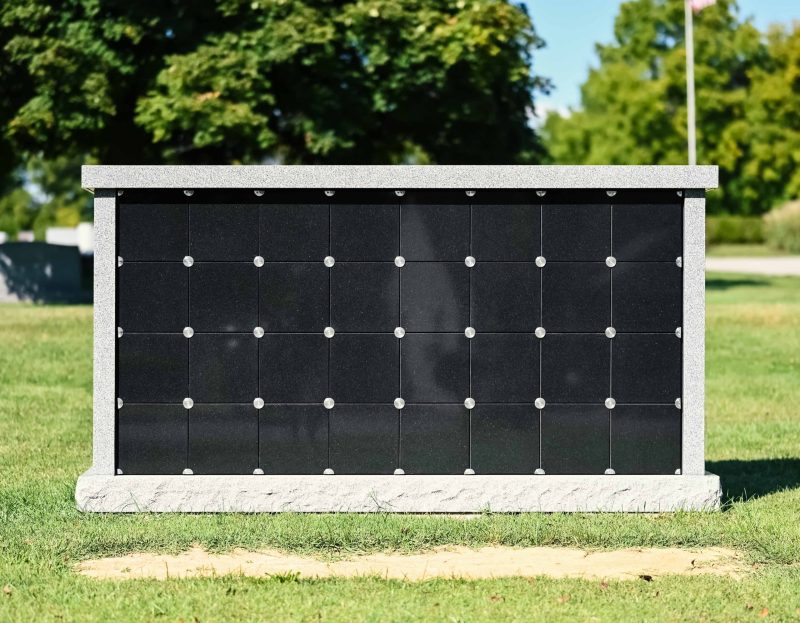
x,y
365,368
152,368
576,368
152,439
434,232
647,232
576,297
364,297
435,367
293,439
646,368
505,367
294,297
576,233
506,297
294,368
506,232
223,368
365,233
153,297
294,233
647,297
153,232
223,297
223,439
645,439
435,296
363,439
505,439
220,232
575,439
434,439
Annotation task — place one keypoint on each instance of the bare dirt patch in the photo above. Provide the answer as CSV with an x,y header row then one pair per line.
x,y
459,562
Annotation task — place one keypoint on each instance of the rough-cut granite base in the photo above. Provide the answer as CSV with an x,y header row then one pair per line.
x,y
399,494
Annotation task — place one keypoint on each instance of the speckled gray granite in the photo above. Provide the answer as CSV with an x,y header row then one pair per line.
x,y
402,494
100,490
693,333
105,331
399,177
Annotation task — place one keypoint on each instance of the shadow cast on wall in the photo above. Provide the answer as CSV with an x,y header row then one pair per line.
x,y
755,478
44,273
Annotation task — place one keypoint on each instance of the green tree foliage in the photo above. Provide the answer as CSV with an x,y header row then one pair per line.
x,y
17,211
765,143
229,81
352,82
297,80
634,103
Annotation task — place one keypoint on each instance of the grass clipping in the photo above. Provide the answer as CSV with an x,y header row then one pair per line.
x,y
445,562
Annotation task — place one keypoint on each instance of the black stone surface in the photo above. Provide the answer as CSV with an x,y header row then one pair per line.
x,y
576,368
435,367
576,297
576,233
293,439
506,296
647,232
365,368
647,297
294,297
434,232
365,233
152,439
645,439
647,368
575,439
223,297
509,233
435,296
223,439
152,368
141,240
364,297
221,232
363,439
294,368
434,439
223,368
294,233
153,297
505,439
505,367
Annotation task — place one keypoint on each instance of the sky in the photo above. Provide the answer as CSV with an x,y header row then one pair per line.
x,y
572,27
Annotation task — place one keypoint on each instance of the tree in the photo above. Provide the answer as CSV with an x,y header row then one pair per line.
x,y
634,103
230,81
352,82
765,143
293,80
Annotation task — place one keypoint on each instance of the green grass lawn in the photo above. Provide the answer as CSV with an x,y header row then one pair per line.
x,y
743,250
753,433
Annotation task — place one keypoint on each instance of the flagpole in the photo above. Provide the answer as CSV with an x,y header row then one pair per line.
x,y
690,111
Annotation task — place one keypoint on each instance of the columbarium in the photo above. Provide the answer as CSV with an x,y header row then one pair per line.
x,y
448,339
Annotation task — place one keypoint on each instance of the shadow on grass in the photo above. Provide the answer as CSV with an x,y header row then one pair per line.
x,y
752,479
721,284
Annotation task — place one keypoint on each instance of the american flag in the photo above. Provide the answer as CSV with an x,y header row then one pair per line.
x,y
699,5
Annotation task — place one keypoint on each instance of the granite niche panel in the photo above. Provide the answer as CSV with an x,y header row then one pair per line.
x,y
380,332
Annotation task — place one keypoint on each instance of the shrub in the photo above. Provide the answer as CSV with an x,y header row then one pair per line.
x,y
734,229
782,227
